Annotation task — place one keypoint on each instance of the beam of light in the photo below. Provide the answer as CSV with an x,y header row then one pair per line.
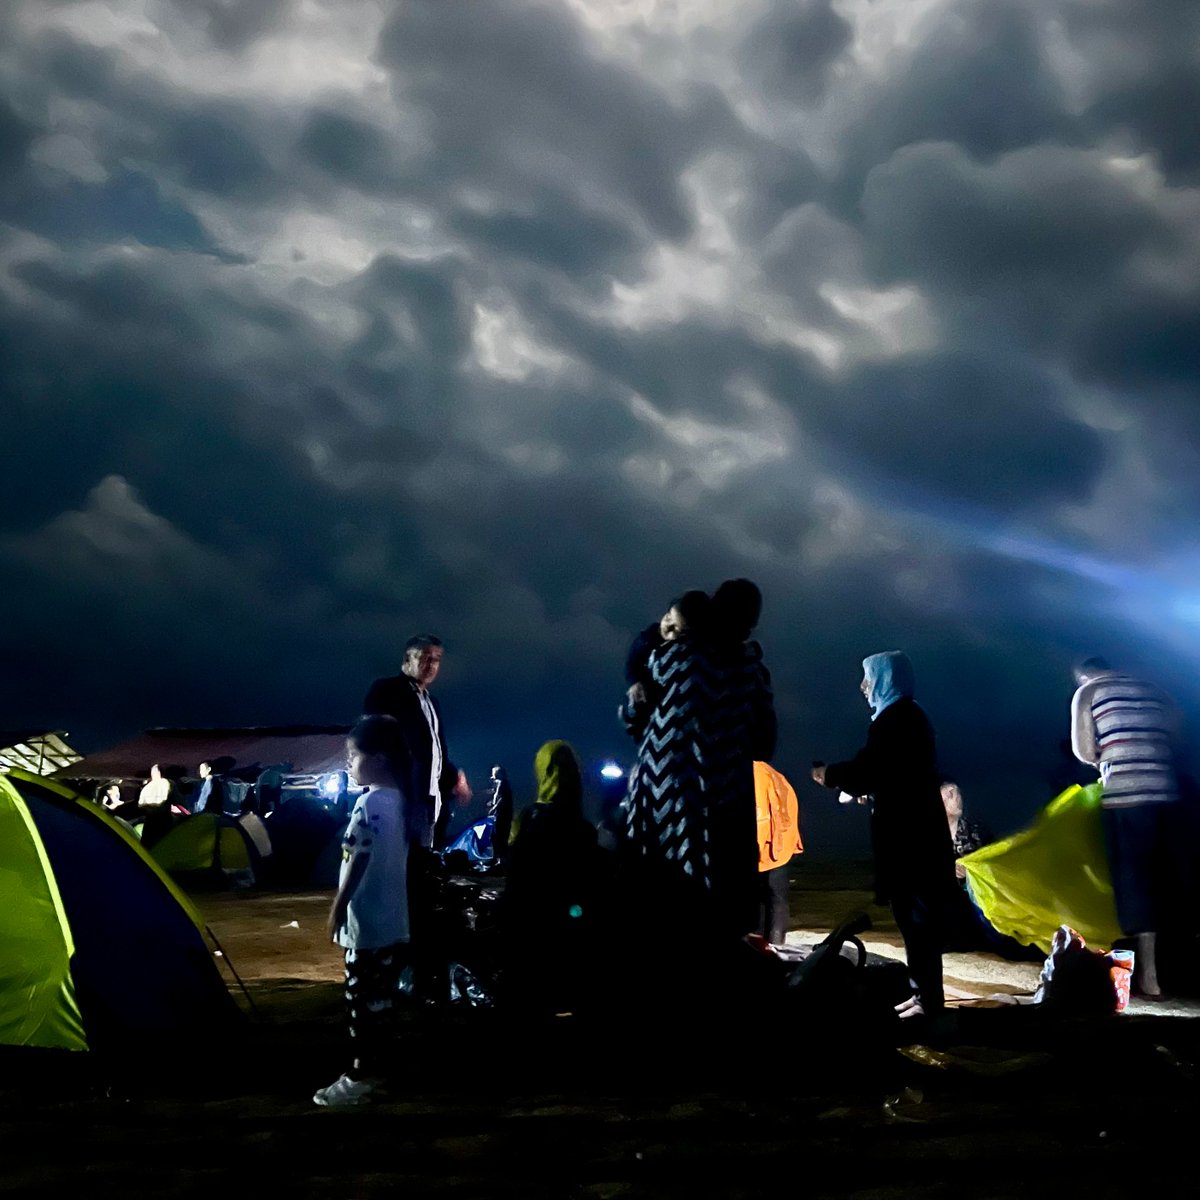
x,y
1187,608
1148,595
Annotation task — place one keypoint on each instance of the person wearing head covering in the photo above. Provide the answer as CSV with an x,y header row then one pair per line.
x,y
914,858
552,890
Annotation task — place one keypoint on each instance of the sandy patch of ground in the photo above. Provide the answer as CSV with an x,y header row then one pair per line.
x,y
483,1107
281,937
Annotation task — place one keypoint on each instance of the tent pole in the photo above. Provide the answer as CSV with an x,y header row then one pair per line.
x,y
228,962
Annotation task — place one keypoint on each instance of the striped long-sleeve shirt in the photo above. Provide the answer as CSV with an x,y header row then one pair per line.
x,y
1126,727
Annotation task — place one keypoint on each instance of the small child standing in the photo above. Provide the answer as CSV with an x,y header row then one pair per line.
x,y
369,914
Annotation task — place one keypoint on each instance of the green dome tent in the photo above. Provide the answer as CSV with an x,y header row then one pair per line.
x,y
209,849
97,946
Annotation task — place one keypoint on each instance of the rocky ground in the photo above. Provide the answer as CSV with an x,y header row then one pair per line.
x,y
1004,1105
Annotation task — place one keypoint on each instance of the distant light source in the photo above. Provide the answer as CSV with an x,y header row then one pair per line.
x,y
1188,609
610,770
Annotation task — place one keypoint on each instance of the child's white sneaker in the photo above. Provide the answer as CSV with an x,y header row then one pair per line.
x,y
345,1092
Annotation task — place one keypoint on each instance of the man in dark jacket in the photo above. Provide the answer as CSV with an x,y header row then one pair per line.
x,y
427,794
914,858
210,796
435,778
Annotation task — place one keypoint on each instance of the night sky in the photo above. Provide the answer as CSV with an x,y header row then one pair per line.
x,y
325,322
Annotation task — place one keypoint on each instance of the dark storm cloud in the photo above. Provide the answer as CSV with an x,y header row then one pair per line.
x,y
327,323
1146,339
229,24
530,103
160,375
994,421
1151,109
558,233
1038,217
979,78
151,146
1146,69
16,136
793,47
351,150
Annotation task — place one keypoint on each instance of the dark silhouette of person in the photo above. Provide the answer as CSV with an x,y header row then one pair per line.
x,y
914,859
500,809
433,780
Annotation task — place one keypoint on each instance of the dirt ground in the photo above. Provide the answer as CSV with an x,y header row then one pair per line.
x,y
1006,1105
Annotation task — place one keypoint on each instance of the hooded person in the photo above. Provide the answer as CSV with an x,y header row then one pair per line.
x,y
914,858
552,888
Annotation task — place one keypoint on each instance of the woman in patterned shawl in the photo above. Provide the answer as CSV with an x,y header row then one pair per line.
x,y
690,812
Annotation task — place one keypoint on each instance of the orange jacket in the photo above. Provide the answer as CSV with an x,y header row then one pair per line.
x,y
778,818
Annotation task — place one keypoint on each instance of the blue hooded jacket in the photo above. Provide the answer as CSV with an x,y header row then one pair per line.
x,y
889,677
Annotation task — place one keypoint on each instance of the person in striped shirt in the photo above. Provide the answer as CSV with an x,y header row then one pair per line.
x,y
1126,728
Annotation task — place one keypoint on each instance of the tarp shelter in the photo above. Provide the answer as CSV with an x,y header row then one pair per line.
x,y
1053,873
208,849
98,948
311,750
37,751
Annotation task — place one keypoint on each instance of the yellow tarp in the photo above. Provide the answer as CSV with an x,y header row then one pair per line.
x,y
1054,873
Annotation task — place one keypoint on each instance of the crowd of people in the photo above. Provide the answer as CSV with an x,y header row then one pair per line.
x,y
167,790
689,852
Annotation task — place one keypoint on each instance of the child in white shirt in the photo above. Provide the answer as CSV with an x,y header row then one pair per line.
x,y
369,914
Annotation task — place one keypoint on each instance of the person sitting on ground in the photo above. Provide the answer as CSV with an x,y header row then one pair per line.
x,y
552,891
686,614
369,915
109,795
966,834
966,928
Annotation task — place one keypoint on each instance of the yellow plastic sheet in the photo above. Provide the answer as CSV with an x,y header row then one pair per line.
x,y
1054,873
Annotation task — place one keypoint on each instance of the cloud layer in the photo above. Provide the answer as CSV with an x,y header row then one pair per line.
x,y
325,323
